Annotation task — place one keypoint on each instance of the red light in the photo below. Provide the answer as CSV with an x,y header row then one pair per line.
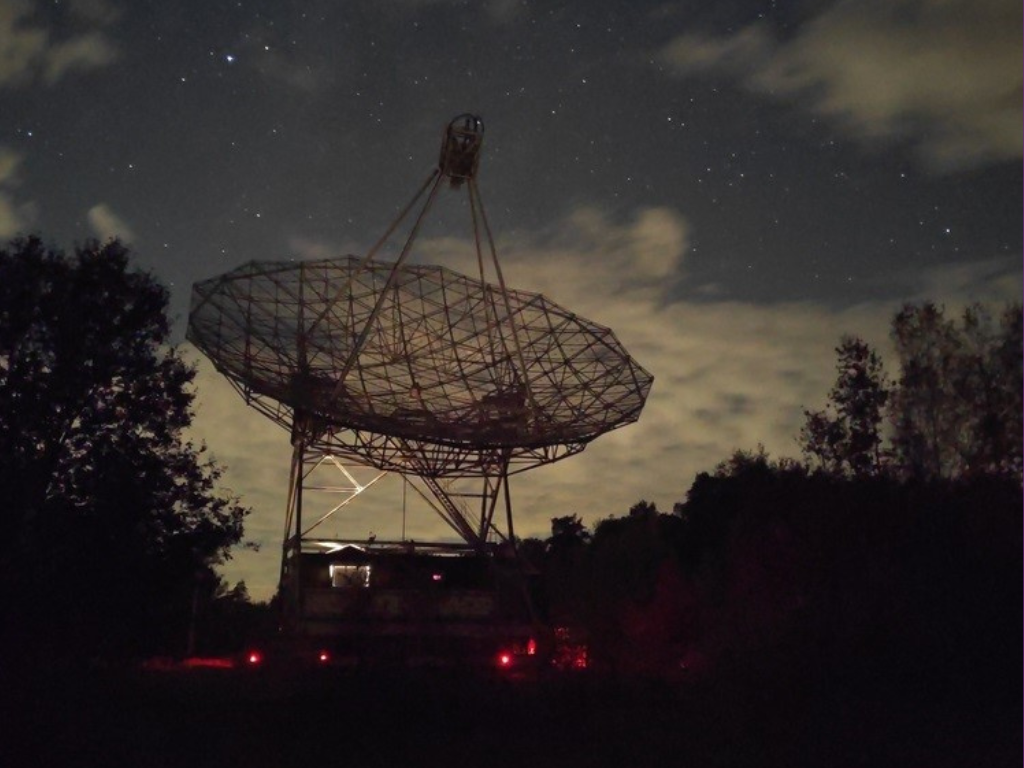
x,y
254,657
504,659
324,657
531,647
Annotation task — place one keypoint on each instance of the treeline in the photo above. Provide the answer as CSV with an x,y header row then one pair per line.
x,y
954,409
771,570
889,556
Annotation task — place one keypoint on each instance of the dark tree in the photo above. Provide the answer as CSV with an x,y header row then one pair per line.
x,y
532,552
644,509
567,533
845,438
957,409
564,553
226,620
637,606
856,583
110,512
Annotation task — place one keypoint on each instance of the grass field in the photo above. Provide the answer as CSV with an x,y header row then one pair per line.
x,y
270,718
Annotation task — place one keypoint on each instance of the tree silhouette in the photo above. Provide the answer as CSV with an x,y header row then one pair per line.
x,y
635,602
643,509
567,532
957,408
109,511
845,437
861,580
954,411
564,553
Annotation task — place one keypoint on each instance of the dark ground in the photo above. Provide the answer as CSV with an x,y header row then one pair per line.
x,y
227,718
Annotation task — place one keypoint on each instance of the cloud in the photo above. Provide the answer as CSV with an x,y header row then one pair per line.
x,y
497,12
255,454
738,54
585,255
994,281
504,11
9,220
314,250
14,216
99,12
302,70
728,375
31,53
943,74
85,52
107,225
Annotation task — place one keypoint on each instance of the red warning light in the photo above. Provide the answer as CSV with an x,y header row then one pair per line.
x,y
531,647
254,658
323,657
504,659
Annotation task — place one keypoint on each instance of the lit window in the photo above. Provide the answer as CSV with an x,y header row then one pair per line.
x,y
350,575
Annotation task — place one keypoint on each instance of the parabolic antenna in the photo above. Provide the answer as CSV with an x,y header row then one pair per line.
x,y
416,369
451,376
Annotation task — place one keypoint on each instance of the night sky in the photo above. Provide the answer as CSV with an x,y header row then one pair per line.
x,y
731,186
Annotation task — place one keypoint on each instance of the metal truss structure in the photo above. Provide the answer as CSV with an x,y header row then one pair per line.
x,y
417,369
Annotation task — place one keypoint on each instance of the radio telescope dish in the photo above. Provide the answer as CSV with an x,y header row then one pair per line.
x,y
436,387
415,369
